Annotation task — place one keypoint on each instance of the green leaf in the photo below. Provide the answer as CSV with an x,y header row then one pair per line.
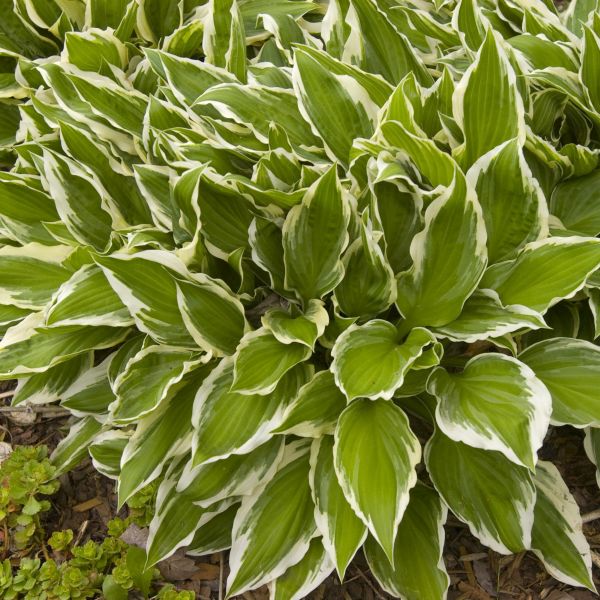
x,y
590,63
212,314
303,577
146,284
492,495
570,369
72,449
188,79
224,42
273,527
448,255
316,408
557,537
235,475
24,208
484,317
573,202
77,201
92,392
214,535
513,204
343,532
368,287
376,449
29,347
371,360
379,46
87,299
29,275
47,387
149,379
262,360
167,432
158,18
106,452
418,570
488,87
314,236
496,403
250,418
544,272
295,326
176,520
340,101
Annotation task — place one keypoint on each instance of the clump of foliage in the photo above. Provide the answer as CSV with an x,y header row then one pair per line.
x,y
27,477
319,270
110,569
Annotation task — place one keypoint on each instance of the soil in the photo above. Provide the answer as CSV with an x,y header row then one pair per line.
x,y
87,501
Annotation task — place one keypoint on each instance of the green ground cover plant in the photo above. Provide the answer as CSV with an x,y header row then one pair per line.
x,y
320,270
59,567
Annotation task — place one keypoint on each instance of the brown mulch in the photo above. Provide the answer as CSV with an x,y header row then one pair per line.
x,y
87,501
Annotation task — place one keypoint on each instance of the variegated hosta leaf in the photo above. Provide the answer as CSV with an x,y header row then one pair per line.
x,y
107,450
557,537
544,272
570,369
371,360
214,535
87,299
343,532
315,409
49,386
72,449
304,328
314,236
492,495
147,287
91,393
339,101
29,347
30,275
303,577
223,41
148,379
236,475
573,203
513,204
418,570
176,520
213,316
375,449
273,527
496,403
449,257
483,317
368,286
251,418
489,86
262,360
168,431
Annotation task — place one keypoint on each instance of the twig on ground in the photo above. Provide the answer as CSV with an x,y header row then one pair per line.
x,y
42,410
591,516
221,569
8,394
375,590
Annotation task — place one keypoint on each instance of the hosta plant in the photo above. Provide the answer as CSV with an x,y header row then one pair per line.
x,y
322,270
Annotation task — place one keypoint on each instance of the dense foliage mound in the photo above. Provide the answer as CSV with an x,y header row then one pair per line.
x,y
323,270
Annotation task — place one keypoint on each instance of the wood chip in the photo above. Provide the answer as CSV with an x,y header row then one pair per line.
x,y
87,505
